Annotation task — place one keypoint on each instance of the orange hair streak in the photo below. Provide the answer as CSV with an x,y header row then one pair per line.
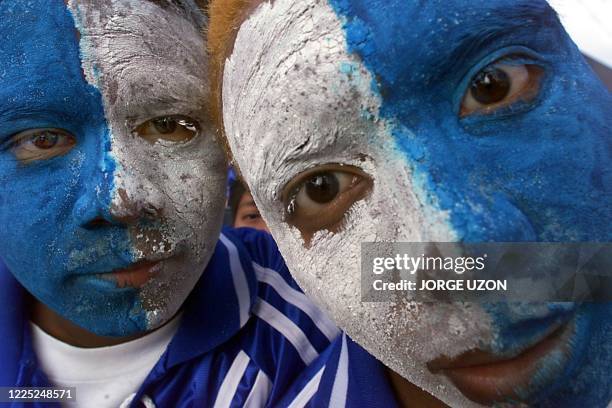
x,y
225,19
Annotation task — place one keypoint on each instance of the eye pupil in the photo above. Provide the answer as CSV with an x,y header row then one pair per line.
x,y
490,85
45,140
165,125
322,188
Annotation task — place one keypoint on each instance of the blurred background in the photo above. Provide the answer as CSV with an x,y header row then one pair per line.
x,y
589,23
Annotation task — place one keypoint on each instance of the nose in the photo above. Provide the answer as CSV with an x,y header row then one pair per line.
x,y
128,208
109,200
92,208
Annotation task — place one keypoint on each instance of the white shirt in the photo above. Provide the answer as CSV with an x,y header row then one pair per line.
x,y
103,376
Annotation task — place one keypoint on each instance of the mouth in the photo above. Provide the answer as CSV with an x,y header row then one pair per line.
x,y
487,378
134,276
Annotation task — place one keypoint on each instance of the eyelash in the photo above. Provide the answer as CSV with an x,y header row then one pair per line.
x,y
508,56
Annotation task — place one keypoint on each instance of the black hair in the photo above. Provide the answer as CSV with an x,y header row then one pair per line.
x,y
237,190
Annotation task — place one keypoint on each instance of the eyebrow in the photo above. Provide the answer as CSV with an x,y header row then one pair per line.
x,y
249,203
36,113
500,22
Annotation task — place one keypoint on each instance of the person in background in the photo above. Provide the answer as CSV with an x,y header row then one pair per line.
x,y
244,212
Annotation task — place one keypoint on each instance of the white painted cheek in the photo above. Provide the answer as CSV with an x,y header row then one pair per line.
x,y
296,49
195,198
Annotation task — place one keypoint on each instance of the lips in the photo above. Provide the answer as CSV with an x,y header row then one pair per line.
x,y
486,378
134,276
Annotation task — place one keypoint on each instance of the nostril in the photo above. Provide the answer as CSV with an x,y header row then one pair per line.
x,y
96,223
150,211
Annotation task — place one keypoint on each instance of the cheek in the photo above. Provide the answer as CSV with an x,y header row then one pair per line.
x,y
28,207
194,198
195,188
35,221
330,272
196,194
398,333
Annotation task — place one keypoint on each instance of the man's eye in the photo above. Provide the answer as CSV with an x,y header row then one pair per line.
x,y
177,129
320,198
500,85
41,144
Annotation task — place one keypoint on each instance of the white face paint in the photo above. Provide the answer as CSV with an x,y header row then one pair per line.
x,y
294,98
148,61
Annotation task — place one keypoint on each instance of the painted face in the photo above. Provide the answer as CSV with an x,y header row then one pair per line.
x,y
430,121
111,186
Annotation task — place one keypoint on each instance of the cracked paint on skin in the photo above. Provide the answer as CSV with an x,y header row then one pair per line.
x,y
98,70
351,82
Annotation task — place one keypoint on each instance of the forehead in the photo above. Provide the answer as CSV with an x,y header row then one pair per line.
x,y
144,51
414,51
36,31
39,48
405,36
54,49
414,44
299,50
141,34
314,67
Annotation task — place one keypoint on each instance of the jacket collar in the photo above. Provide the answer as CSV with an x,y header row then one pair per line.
x,y
12,324
212,313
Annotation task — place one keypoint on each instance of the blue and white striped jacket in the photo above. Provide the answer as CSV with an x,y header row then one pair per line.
x,y
248,338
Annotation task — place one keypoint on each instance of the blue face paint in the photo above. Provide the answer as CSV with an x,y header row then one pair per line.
x,y
50,241
125,194
538,170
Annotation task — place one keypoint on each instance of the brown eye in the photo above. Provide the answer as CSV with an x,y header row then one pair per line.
x,y
320,198
41,144
178,129
165,126
45,140
500,85
323,188
491,85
